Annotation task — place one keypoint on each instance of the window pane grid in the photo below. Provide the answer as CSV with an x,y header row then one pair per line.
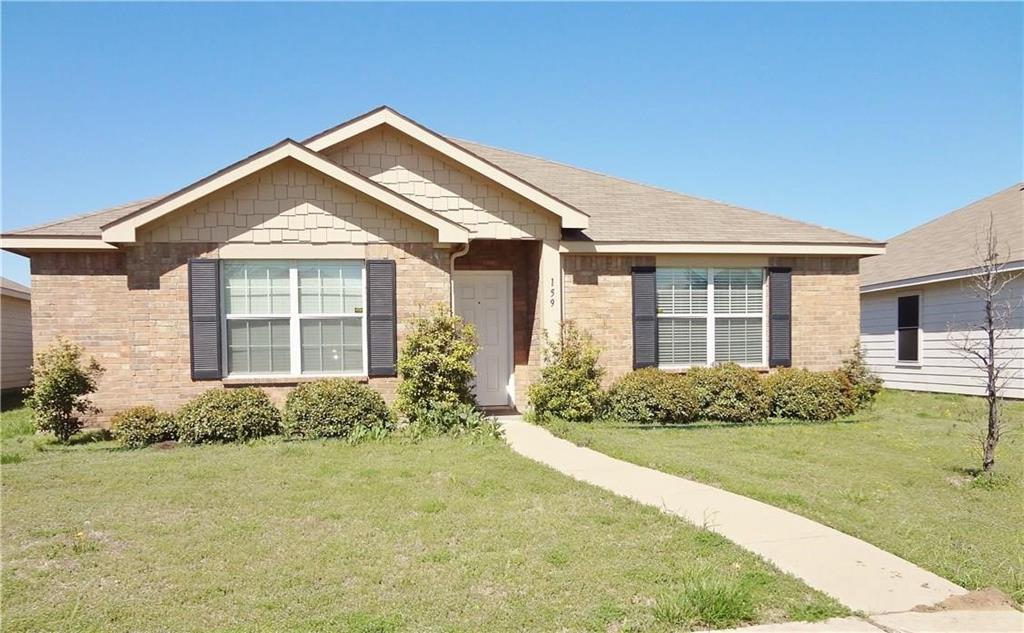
x,y
268,327
710,315
258,346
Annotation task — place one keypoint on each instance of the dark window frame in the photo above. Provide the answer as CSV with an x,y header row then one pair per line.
x,y
908,329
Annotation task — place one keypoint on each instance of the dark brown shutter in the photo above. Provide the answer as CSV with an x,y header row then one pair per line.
x,y
645,318
382,318
204,318
780,317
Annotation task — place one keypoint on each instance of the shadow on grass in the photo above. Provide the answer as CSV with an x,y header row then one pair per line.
x,y
11,399
715,424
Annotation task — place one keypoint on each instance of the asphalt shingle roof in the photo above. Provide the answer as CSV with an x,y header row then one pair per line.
x,y
620,210
949,243
626,211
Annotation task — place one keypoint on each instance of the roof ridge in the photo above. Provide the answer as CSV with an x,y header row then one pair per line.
x,y
1019,186
663,189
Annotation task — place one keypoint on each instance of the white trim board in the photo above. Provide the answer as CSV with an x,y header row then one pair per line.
x,y
125,229
571,217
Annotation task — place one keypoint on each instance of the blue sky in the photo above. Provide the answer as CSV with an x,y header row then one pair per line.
x,y
870,118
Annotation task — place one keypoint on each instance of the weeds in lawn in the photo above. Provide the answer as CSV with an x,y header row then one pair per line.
x,y
706,600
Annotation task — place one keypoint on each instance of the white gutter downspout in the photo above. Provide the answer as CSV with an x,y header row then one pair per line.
x,y
451,273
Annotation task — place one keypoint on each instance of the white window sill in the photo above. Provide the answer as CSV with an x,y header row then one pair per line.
x,y
282,379
682,369
907,365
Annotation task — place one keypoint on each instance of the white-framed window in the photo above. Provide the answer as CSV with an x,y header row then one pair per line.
x,y
291,318
908,329
710,315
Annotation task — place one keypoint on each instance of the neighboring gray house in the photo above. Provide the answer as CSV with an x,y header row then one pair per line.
x,y
15,335
915,295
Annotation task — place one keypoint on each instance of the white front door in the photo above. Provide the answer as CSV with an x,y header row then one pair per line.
x,y
485,300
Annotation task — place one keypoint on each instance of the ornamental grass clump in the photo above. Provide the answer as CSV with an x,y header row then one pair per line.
x,y
228,415
336,407
61,383
569,387
436,363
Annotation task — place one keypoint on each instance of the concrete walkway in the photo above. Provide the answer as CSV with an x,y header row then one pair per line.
x,y
857,574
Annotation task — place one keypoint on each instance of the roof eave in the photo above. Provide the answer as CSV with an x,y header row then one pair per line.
x,y
726,248
952,275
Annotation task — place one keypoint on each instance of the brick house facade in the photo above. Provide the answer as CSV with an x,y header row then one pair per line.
x,y
381,187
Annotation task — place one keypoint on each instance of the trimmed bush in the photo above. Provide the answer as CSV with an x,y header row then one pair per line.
x,y
861,385
651,396
228,415
142,426
334,408
453,419
569,387
436,363
729,393
61,383
808,395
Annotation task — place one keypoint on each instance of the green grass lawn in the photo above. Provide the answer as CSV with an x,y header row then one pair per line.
x,y
898,476
441,535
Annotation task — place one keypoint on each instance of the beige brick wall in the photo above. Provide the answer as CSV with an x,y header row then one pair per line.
x,y
826,306
598,296
413,170
826,309
288,203
130,310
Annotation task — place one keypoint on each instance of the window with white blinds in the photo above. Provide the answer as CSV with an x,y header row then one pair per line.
x,y
709,315
294,317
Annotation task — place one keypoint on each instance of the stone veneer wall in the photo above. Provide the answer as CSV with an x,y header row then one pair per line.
x,y
523,259
130,310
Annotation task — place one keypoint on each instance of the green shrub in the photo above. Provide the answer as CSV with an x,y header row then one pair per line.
x,y
729,393
436,363
61,384
228,415
569,386
651,396
453,419
333,408
142,426
808,395
861,385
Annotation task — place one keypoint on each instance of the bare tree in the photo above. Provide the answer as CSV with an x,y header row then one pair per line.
x,y
979,340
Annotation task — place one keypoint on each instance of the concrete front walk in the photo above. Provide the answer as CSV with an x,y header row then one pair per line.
x,y
859,575
1005,621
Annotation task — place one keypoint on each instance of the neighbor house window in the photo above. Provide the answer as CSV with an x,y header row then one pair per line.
x,y
709,315
908,326
300,317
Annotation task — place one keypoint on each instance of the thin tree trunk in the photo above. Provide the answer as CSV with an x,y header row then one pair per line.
x,y
991,391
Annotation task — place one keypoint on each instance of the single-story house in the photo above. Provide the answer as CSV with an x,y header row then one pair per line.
x,y
15,335
312,258
916,299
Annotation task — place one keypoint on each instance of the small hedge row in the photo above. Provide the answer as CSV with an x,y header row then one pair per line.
x,y
331,408
569,389
731,393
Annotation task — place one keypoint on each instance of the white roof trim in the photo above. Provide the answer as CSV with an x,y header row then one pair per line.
x,y
931,279
725,248
15,293
15,243
572,218
124,230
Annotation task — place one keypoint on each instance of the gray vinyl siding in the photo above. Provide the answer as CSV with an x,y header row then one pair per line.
x,y
945,306
15,342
